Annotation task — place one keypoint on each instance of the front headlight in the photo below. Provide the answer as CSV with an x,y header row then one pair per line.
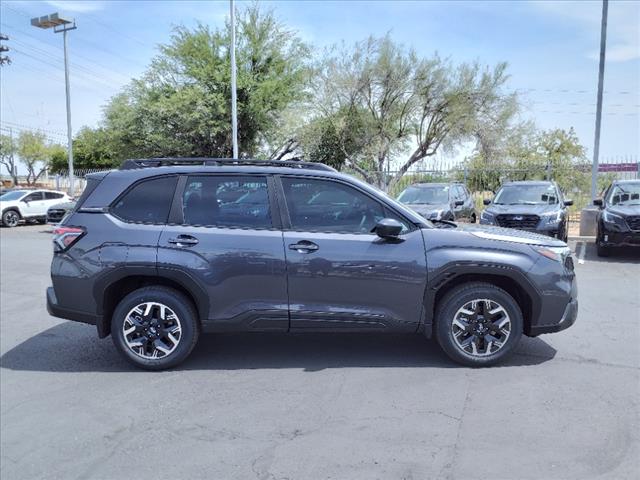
x,y
559,254
487,216
552,217
436,215
609,217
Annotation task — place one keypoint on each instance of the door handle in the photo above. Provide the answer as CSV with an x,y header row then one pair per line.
x,y
183,241
304,246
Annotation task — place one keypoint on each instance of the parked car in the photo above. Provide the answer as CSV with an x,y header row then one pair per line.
x,y
153,257
20,205
535,206
440,201
56,213
618,221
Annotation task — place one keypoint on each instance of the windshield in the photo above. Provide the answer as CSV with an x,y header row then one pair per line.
x,y
425,195
527,195
625,194
15,195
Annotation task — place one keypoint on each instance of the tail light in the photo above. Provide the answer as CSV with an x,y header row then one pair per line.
x,y
65,237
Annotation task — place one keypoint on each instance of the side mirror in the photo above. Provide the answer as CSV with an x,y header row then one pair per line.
x,y
24,200
486,201
459,203
387,228
598,202
568,203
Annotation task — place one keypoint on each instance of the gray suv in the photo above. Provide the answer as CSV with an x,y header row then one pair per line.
x,y
161,250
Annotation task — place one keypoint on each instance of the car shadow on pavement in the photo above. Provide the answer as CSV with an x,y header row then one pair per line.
x,y
73,347
616,254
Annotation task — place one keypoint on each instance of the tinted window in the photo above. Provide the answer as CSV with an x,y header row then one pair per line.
x,y
226,201
147,202
461,193
35,196
52,195
325,206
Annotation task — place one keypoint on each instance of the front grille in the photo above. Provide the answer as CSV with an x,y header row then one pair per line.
x,y
522,222
634,222
55,215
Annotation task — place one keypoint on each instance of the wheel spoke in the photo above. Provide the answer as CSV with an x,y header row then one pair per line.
x,y
481,327
145,333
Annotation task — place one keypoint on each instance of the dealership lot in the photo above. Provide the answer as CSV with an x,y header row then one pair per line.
x,y
318,406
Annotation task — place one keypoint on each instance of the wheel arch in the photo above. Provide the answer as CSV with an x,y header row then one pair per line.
x,y
125,282
510,280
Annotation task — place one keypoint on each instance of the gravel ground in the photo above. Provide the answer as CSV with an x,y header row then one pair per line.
x,y
318,406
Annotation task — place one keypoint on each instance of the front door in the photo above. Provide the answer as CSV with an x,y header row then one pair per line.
x,y
34,205
341,276
225,239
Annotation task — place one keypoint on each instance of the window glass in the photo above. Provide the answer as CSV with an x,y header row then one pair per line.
x,y
461,193
526,194
52,195
326,206
34,197
147,202
624,194
227,201
425,195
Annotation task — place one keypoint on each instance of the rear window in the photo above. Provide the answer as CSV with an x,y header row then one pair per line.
x,y
91,185
227,201
147,202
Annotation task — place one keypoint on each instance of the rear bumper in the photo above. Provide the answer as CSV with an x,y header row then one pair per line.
x,y
57,311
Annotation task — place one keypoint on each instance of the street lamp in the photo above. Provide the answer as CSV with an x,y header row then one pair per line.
x,y
62,24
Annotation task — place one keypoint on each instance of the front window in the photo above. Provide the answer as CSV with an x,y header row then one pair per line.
x,y
11,196
624,194
527,195
327,206
431,195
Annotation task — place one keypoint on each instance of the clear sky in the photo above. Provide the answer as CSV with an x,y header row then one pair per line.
x,y
552,49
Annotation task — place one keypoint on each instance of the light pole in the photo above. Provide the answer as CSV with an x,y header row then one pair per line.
x,y
234,106
596,145
62,24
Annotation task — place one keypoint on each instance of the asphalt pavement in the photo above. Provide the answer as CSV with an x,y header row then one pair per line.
x,y
565,406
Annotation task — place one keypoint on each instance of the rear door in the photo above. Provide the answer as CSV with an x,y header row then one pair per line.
x,y
341,276
224,234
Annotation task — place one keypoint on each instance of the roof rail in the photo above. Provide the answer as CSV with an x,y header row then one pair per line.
x,y
221,162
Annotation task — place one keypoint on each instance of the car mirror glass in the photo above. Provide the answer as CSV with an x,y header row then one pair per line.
x,y
486,201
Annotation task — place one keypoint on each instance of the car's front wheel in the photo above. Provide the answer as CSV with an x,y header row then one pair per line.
x,y
155,327
10,218
478,324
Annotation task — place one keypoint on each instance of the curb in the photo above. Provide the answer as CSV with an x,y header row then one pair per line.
x,y
583,238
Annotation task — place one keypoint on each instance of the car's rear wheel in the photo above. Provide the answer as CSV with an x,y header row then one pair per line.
x,y
155,327
10,218
478,324
473,218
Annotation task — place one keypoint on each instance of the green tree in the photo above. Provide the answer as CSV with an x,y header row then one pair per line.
x,y
181,105
35,154
8,149
414,107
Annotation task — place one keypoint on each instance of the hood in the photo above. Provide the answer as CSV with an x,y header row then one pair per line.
x,y
625,210
522,209
425,209
510,235
9,203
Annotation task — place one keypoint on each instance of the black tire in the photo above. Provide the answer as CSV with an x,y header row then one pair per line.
x,y
183,309
10,218
602,250
473,218
449,305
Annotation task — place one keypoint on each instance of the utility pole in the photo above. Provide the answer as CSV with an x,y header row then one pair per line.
x,y
234,106
61,24
596,146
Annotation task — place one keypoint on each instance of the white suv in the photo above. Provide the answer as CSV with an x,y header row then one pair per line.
x,y
19,205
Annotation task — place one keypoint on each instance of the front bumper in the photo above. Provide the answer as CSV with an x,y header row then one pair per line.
x,y
54,308
568,318
620,239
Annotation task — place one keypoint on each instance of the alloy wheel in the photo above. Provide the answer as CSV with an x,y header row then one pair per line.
x,y
11,219
481,327
152,330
